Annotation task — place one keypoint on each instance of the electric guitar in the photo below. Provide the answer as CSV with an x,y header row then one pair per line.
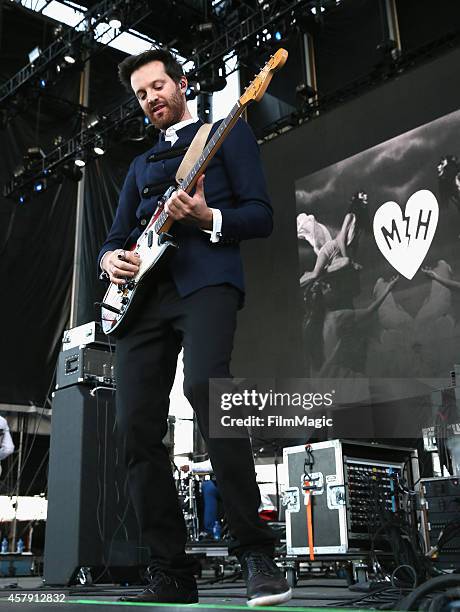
x,y
155,243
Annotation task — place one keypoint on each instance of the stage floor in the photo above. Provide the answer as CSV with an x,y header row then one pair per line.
x,y
309,593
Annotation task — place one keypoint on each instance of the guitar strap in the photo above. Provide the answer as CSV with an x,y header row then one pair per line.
x,y
194,151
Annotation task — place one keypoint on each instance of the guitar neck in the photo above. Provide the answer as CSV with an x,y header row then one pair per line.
x,y
163,223
211,148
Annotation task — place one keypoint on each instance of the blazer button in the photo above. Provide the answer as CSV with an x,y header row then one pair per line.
x,y
143,222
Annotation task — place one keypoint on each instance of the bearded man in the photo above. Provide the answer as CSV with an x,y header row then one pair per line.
x,y
192,303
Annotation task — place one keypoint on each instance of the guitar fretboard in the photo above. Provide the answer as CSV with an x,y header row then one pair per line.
x,y
205,157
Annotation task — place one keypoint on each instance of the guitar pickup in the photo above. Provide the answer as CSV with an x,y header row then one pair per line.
x,y
150,238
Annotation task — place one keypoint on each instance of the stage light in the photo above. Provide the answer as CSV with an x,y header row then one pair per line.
x,y
95,120
99,147
263,5
58,31
193,89
278,35
319,8
42,83
72,172
134,129
39,186
80,159
69,55
146,121
35,154
213,80
22,198
205,28
34,54
115,21
18,171
304,91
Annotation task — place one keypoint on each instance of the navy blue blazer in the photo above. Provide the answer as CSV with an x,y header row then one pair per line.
x,y
234,183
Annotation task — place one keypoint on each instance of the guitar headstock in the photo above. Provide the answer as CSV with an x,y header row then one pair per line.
x,y
258,86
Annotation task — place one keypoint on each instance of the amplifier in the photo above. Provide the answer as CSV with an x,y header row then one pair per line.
x,y
88,333
336,490
441,513
87,365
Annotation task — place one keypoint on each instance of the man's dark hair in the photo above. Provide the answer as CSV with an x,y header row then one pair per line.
x,y
172,67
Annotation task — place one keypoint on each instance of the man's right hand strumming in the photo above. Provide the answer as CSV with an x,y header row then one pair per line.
x,y
120,265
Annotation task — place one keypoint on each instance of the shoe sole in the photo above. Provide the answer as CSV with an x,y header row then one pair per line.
x,y
270,600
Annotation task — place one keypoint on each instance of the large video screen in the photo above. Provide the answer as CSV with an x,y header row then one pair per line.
x,y
361,319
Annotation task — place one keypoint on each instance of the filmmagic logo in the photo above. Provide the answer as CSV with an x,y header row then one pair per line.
x,y
276,420
260,401
404,239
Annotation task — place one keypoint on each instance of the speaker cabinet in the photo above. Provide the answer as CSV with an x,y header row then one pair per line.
x,y
91,532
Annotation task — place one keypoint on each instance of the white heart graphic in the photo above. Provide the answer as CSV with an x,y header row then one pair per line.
x,y
404,240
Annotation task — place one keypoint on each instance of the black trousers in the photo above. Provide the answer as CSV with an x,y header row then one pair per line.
x,y
204,324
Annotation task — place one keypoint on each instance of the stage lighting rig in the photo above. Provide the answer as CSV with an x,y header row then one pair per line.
x,y
61,161
68,44
240,33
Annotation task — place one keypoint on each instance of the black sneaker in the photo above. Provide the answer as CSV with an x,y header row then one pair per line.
x,y
265,583
166,588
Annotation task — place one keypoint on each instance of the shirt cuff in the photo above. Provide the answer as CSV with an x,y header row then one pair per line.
x,y
216,232
102,259
103,275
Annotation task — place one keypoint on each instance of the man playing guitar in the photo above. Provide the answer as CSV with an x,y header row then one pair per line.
x,y
192,302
